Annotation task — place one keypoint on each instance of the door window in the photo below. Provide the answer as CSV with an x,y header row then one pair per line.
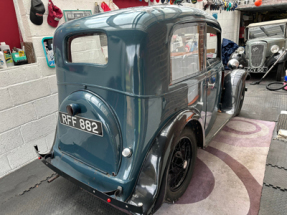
x,y
185,49
212,46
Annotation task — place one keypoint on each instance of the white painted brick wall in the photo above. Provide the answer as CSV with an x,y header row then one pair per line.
x,y
5,98
13,137
38,128
46,105
28,91
16,116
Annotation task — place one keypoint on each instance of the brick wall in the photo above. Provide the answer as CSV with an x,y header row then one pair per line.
x,y
28,93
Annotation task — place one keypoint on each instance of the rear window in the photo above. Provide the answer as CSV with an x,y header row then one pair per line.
x,y
88,48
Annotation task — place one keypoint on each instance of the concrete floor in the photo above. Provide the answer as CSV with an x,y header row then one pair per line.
x,y
26,191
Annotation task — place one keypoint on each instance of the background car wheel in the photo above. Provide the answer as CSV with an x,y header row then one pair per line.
x,y
242,95
181,165
280,72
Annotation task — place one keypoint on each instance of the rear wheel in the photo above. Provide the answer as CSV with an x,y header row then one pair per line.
x,y
181,165
280,71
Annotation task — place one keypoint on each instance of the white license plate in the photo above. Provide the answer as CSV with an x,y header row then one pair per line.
x,y
83,124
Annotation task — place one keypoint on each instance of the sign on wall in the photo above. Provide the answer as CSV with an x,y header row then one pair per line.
x,y
76,14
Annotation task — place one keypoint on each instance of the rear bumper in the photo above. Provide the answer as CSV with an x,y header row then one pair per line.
x,y
46,159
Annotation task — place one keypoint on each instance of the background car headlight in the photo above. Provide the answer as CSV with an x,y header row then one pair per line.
x,y
233,64
234,55
240,50
274,49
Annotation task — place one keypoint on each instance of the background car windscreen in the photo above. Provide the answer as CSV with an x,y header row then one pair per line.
x,y
266,31
92,48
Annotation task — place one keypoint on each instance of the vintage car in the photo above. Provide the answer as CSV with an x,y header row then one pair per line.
x,y
139,91
266,41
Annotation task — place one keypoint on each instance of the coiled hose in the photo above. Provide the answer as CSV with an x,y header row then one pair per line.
x,y
277,88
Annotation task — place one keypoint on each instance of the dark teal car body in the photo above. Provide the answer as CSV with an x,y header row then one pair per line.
x,y
136,102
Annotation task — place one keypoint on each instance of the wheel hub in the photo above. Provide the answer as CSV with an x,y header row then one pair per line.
x,y
180,163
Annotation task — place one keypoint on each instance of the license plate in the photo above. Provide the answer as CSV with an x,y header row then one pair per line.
x,y
83,124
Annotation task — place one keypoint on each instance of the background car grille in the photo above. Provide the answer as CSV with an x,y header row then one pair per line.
x,y
257,52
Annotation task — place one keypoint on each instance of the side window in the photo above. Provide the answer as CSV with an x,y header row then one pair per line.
x,y
88,48
185,58
212,46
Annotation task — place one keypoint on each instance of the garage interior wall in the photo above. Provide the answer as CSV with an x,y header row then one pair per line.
x,y
28,93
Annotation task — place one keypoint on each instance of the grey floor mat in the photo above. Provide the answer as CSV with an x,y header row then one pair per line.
x,y
58,197
273,202
277,155
276,177
22,179
260,103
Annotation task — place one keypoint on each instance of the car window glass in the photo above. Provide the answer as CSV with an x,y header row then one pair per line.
x,y
266,31
211,45
89,49
184,51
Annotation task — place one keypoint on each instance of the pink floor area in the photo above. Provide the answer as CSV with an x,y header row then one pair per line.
x,y
229,173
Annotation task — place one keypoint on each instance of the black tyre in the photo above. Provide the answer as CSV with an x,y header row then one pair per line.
x,y
242,95
181,165
280,72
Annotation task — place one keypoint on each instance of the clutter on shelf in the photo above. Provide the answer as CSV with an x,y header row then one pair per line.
x,y
14,57
19,56
7,54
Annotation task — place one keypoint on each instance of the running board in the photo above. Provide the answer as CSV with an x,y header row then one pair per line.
x,y
221,120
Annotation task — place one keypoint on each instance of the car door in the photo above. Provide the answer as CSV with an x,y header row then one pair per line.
x,y
188,66
213,76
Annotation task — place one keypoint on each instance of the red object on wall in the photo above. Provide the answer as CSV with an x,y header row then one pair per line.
x,y
105,7
241,32
130,3
258,3
8,25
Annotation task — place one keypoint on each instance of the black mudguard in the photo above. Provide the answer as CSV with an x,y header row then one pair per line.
x,y
234,82
150,188
271,60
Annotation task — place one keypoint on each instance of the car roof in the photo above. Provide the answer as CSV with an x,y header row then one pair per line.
x,y
267,23
141,17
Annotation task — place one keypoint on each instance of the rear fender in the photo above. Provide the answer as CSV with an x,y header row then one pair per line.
x,y
234,82
150,187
